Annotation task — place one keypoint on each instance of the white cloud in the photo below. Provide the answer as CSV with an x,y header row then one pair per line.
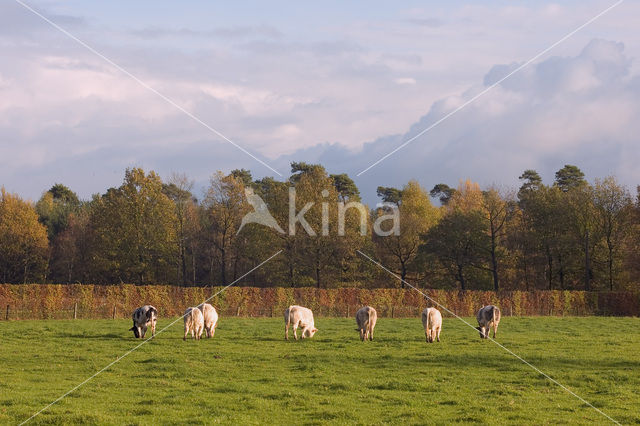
x,y
322,90
405,80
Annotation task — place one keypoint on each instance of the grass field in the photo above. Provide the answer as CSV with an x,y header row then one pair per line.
x,y
248,374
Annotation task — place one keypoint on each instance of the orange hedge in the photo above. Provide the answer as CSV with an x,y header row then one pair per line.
x,y
36,301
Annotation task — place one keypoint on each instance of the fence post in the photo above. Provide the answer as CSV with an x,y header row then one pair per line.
x,y
75,310
238,312
348,311
114,312
393,308
7,316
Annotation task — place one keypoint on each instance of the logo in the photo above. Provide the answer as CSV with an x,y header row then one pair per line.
x,y
262,216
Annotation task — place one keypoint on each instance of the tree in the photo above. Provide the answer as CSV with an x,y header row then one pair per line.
x,y
178,190
243,176
443,192
496,212
456,242
614,210
23,241
54,208
417,216
300,169
134,225
569,177
346,187
390,195
532,181
224,206
72,252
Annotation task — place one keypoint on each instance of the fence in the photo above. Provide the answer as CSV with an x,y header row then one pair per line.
x,y
40,301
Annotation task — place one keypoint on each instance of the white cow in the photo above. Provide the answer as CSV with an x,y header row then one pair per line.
x,y
143,317
210,318
299,316
488,318
366,318
432,323
193,323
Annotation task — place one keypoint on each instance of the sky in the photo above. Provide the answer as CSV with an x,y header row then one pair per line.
x,y
340,84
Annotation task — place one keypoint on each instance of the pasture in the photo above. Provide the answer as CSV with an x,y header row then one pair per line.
x,y
248,374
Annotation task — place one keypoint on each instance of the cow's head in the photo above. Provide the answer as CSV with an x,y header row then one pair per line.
x,y
135,330
311,331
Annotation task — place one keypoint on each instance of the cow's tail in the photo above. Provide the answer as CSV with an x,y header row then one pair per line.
x,y
286,315
426,323
493,314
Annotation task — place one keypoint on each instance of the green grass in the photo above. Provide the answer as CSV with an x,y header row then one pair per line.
x,y
248,374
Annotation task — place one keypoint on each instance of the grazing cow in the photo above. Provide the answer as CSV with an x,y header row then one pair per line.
x,y
144,317
299,316
488,318
193,323
366,318
432,323
210,318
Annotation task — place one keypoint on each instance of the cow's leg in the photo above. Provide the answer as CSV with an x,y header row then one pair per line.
x,y
153,329
426,336
362,336
186,331
213,329
495,330
438,334
295,330
144,330
370,333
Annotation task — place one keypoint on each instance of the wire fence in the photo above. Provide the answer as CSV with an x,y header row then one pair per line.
x,y
113,311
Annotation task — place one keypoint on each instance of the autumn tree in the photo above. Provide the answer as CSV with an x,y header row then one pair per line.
x,y
178,190
23,241
417,216
457,242
496,212
54,208
614,208
135,231
224,206
72,254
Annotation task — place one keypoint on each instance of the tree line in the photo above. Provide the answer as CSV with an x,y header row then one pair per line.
x,y
571,234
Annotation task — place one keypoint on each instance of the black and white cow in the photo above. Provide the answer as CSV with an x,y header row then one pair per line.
x,y
488,318
144,317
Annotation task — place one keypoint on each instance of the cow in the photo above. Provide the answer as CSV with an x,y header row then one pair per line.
x,y
210,318
432,324
488,317
299,316
366,318
193,323
144,317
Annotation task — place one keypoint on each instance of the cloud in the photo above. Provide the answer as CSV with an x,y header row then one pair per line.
x,y
563,110
405,80
288,87
233,32
425,22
